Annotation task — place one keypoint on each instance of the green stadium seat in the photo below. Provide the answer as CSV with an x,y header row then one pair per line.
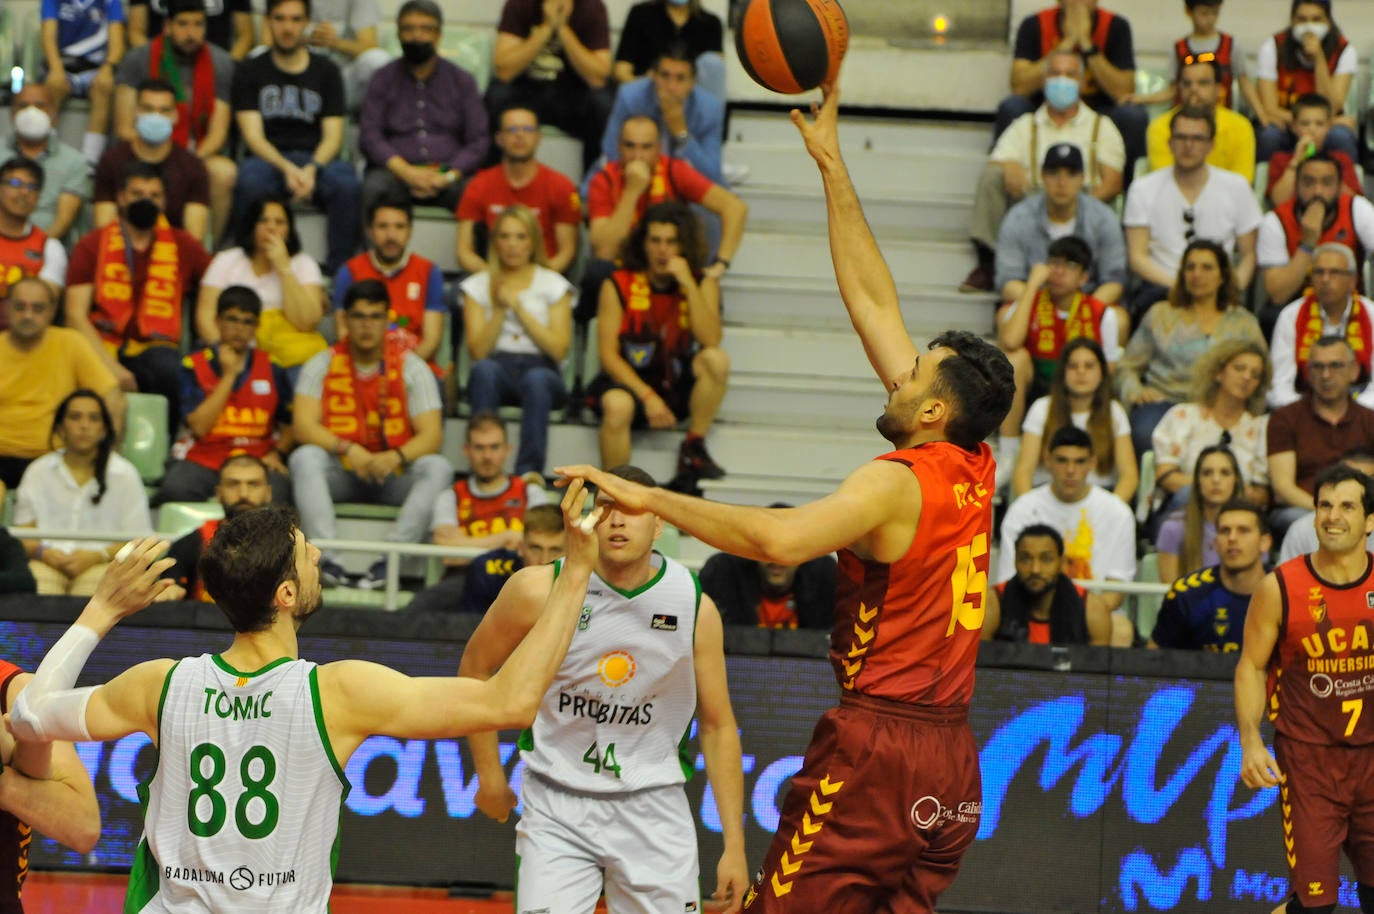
x,y
362,511
146,439
178,518
1147,605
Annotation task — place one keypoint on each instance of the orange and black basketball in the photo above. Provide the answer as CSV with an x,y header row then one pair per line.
x,y
790,46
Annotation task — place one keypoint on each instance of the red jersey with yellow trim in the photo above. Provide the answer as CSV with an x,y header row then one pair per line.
x,y
15,836
483,515
1322,670
908,631
247,423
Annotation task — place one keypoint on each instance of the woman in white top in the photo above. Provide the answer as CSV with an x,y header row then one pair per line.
x,y
1310,56
1227,406
82,485
1081,393
269,261
517,320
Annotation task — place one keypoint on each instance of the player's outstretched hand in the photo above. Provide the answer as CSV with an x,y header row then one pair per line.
x,y
1258,768
495,800
630,497
821,132
583,544
134,579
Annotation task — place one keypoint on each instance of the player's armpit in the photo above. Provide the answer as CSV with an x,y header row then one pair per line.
x,y
875,511
129,702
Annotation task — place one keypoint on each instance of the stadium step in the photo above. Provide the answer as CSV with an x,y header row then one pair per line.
x,y
914,140
812,304
889,209
803,252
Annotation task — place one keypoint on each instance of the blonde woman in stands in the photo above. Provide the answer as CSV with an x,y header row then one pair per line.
x,y
517,320
268,259
1187,538
1227,407
83,485
1080,393
1203,308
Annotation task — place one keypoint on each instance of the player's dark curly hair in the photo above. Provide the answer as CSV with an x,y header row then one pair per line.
x,y
689,235
1340,472
249,557
978,381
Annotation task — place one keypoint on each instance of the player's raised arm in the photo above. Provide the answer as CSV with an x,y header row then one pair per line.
x,y
864,279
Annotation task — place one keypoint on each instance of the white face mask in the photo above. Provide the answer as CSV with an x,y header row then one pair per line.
x,y
1303,29
32,124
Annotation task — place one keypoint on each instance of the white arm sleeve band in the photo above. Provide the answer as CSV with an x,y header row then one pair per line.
x,y
49,708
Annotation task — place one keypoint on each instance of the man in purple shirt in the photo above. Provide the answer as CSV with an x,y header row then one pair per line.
x,y
423,125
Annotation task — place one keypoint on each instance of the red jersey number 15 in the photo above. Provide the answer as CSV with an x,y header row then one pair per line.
x,y
969,587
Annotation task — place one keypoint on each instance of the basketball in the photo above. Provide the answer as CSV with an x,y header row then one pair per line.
x,y
791,46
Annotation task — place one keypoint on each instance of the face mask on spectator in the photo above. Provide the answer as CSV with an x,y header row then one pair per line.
x,y
32,123
417,53
1061,92
142,214
1303,29
153,128
679,2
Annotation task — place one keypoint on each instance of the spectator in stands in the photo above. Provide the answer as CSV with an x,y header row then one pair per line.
x,y
520,178
1206,611
1307,436
1013,169
373,437
1098,528
83,42
201,75
25,249
1187,538
1312,123
186,199
228,23
690,120
517,315
486,509
1040,604
65,172
1333,308
344,31
1202,309
1226,404
83,485
1310,56
1102,41
1167,209
1199,86
656,367
125,286
1302,533
1052,311
641,176
423,128
771,595
39,366
289,106
554,58
1063,209
241,486
236,402
652,25
1207,43
1320,212
268,259
413,282
15,576
541,542
1080,394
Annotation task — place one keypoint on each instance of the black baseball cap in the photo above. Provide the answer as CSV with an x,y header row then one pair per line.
x,y
1063,155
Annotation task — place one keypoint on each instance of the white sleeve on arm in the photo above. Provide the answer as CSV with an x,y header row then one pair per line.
x,y
49,708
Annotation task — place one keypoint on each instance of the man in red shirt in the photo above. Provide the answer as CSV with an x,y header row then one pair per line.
x,y
912,528
519,178
126,285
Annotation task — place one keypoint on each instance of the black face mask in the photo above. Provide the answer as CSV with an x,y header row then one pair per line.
x,y
142,214
417,53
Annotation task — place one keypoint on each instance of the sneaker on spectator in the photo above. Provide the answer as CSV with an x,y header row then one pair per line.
x,y
332,574
692,460
375,579
734,173
979,279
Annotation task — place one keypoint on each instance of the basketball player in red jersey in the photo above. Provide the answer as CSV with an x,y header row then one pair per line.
x,y
43,786
889,795
1307,642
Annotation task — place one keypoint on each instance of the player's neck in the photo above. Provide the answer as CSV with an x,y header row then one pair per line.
x,y
1341,568
1244,581
627,576
251,651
